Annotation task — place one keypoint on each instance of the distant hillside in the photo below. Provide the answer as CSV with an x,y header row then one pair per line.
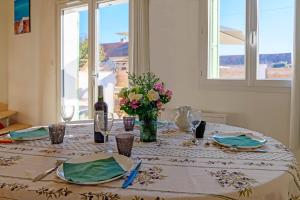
x,y
263,58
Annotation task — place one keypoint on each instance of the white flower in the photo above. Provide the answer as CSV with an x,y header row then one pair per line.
x,y
132,96
153,95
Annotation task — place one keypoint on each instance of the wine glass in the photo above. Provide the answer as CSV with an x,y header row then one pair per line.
x,y
170,117
67,113
195,118
106,130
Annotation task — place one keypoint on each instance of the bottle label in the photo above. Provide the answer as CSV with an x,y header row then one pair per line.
x,y
99,121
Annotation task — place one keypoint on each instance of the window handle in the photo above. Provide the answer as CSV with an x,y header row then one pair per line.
x,y
253,38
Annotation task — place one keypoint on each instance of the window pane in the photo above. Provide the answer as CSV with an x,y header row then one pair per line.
x,y
74,60
276,28
227,39
113,32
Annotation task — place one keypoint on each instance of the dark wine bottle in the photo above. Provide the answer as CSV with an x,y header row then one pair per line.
x,y
100,118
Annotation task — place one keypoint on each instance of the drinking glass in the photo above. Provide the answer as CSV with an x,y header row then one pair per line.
x,y
195,118
106,131
67,113
169,116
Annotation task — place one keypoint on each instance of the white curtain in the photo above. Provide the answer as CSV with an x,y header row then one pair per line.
x,y
295,97
139,60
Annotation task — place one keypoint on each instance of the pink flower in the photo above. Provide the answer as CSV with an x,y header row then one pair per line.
x,y
134,104
169,94
159,105
159,87
123,101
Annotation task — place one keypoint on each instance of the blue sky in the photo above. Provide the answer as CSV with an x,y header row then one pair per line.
x,y
113,19
276,24
275,16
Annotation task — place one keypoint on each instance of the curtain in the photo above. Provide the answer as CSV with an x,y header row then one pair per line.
x,y
295,97
139,60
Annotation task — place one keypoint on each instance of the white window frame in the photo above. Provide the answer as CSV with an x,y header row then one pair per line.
x,y
251,59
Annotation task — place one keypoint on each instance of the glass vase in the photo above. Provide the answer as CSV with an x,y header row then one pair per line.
x,y
148,130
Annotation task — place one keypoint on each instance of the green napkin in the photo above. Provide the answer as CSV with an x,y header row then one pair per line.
x,y
94,171
38,133
239,141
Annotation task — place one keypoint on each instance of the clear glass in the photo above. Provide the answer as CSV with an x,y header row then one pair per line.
x,y
227,40
74,60
275,36
148,130
106,131
168,116
112,42
67,113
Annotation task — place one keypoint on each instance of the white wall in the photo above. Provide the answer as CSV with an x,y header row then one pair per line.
x,y
3,50
175,51
31,69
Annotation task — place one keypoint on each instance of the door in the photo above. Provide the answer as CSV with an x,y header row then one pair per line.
x,y
112,42
74,67
93,50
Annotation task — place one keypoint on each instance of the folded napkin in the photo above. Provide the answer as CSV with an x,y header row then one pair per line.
x,y
94,171
31,134
240,141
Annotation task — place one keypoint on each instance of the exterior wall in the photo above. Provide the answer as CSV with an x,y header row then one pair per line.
x,y
3,51
175,57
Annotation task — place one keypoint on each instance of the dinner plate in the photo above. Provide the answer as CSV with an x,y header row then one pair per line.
x,y
125,162
261,141
46,135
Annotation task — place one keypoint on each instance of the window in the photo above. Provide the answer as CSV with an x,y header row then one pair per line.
x,y
250,40
228,28
275,36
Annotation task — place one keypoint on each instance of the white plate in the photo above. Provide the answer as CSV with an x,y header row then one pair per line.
x,y
125,162
252,136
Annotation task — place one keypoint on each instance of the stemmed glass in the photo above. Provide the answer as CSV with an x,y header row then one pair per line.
x,y
67,113
170,116
195,118
106,130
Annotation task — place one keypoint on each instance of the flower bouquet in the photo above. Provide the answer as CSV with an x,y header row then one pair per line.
x,y
145,98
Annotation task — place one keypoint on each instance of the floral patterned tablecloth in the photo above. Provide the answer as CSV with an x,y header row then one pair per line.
x,y
175,167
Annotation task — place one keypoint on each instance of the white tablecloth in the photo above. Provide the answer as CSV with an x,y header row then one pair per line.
x,y
173,168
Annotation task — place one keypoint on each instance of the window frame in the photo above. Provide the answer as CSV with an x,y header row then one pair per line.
x,y
251,50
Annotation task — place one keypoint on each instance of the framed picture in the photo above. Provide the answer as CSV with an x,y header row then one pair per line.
x,y
22,16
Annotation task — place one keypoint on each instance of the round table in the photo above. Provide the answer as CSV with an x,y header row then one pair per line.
x,y
175,167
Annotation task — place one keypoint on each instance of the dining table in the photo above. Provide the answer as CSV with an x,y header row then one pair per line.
x,y
177,166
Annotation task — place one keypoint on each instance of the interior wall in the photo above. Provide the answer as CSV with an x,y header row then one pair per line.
x,y
3,51
175,58
175,49
31,70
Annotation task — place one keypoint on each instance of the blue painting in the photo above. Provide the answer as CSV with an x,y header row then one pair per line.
x,y
22,16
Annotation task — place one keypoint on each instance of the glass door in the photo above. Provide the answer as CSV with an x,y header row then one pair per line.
x,y
112,31
93,50
74,83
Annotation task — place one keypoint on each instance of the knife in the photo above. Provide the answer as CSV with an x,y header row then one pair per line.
x,y
47,172
133,173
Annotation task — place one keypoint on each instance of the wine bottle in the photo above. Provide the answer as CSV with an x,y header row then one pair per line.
x,y
100,119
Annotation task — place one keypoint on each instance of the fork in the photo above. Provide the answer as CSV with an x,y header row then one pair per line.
x,y
49,171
